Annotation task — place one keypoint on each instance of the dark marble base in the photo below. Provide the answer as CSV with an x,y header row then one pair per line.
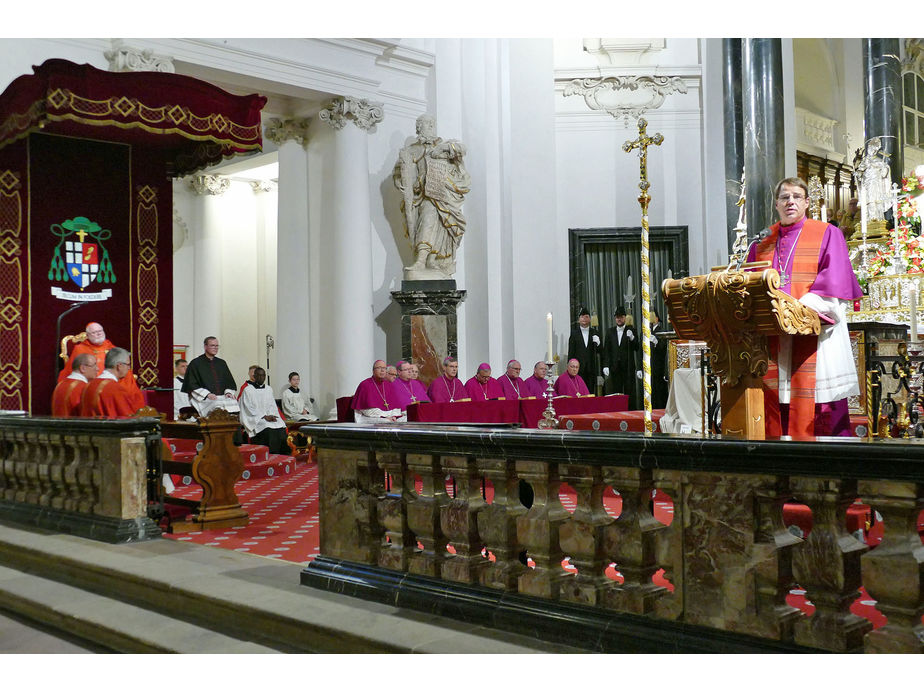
x,y
568,624
108,529
429,325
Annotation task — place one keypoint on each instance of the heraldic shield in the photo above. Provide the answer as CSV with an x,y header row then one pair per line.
x,y
81,260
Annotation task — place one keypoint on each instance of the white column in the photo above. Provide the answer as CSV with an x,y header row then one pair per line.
x,y
291,333
208,260
348,315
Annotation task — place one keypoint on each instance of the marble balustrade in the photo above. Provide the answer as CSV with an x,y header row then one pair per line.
x,y
727,553
82,476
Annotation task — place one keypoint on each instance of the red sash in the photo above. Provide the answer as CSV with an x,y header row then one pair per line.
x,y
802,382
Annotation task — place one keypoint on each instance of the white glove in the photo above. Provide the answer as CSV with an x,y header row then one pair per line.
x,y
606,372
631,335
596,340
654,340
822,305
638,374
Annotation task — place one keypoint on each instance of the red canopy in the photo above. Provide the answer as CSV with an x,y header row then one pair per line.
x,y
198,123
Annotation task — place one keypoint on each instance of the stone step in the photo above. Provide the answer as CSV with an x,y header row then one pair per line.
x,y
230,594
111,623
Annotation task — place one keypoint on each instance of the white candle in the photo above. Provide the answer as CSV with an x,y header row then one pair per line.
x,y
824,213
914,314
548,320
863,211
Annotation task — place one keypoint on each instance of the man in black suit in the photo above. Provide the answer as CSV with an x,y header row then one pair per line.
x,y
583,345
620,359
659,374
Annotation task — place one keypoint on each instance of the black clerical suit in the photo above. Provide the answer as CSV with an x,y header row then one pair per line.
x,y
622,360
586,354
659,383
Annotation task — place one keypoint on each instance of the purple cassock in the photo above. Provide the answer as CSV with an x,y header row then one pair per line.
x,y
409,392
835,273
534,387
479,392
446,389
512,387
373,393
568,385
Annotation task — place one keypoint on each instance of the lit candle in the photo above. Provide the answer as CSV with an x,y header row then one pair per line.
x,y
548,320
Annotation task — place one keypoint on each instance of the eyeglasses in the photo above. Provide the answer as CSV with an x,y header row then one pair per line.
x,y
787,198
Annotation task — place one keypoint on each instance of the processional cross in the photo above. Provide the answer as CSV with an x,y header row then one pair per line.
x,y
642,144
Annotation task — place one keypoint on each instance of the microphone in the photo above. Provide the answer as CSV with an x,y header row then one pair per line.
x,y
754,240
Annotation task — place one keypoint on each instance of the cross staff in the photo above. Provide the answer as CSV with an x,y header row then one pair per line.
x,y
642,144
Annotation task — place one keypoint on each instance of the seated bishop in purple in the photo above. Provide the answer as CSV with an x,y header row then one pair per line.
x,y
482,386
376,400
448,388
511,382
536,384
569,383
407,390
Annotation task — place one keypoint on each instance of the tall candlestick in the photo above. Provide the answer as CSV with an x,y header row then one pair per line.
x,y
548,320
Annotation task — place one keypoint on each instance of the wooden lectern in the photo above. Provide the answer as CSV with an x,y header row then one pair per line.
x,y
735,312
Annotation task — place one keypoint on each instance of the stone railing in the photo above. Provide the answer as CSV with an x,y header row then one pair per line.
x,y
80,476
386,519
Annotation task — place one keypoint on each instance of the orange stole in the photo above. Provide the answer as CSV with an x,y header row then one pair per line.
x,y
804,348
65,400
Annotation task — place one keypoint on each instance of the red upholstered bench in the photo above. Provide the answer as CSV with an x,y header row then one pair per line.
x,y
610,421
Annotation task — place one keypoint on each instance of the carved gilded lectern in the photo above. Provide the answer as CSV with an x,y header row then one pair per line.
x,y
735,312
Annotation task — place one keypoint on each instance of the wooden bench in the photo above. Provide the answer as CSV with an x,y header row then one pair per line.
x,y
216,468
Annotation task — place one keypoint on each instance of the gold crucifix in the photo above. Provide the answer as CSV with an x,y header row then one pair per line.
x,y
642,143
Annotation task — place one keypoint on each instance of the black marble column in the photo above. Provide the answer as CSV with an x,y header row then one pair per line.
x,y
882,97
764,154
429,324
734,132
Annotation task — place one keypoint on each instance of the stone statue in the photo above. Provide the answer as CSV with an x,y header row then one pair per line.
x,y
433,181
876,179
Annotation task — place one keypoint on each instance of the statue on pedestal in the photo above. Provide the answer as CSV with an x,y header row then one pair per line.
x,y
876,180
433,182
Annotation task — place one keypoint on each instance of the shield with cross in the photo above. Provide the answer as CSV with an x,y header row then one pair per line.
x,y
80,254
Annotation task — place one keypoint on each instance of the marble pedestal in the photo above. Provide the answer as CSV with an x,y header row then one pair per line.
x,y
429,326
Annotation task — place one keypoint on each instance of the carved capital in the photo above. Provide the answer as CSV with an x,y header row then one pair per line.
x,y
279,131
209,185
363,113
914,56
124,58
626,97
262,186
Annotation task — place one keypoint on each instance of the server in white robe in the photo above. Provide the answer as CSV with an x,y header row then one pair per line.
x,y
295,405
260,417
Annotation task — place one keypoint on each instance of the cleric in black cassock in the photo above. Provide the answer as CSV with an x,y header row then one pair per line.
x,y
209,382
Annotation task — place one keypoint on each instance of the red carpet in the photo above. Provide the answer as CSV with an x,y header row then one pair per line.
x,y
284,524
